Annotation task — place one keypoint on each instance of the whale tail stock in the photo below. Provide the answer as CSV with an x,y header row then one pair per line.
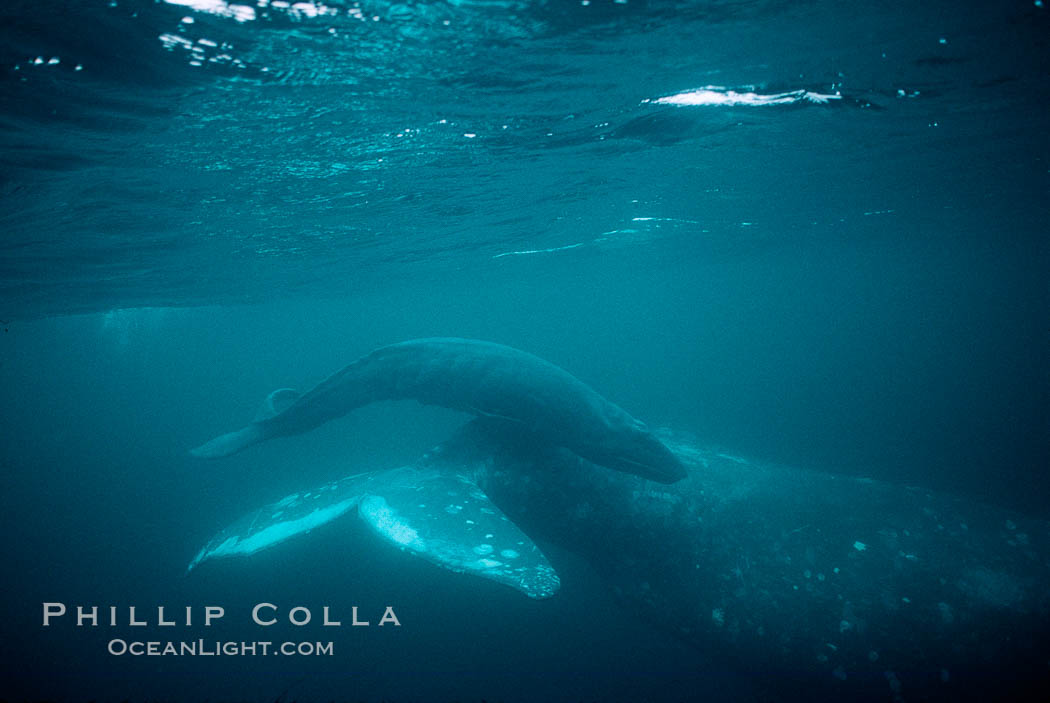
x,y
232,442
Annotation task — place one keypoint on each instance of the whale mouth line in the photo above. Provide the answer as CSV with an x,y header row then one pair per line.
x,y
650,472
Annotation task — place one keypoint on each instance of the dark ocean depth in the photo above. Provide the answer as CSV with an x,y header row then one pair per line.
x,y
812,235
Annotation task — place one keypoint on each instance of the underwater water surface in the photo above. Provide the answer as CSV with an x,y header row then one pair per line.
x,y
813,234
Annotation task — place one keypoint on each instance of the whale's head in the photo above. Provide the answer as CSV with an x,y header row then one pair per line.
x,y
633,449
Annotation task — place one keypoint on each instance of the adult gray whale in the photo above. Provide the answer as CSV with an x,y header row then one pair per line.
x,y
819,586
488,380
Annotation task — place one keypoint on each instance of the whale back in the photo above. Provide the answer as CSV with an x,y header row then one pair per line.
x,y
485,379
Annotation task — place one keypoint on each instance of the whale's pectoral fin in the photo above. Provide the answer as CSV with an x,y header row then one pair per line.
x,y
440,515
233,442
295,514
447,519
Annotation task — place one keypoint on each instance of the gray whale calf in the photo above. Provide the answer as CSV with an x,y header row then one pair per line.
x,y
505,385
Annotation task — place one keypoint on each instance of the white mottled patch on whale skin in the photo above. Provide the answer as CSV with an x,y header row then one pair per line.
x,y
387,522
449,533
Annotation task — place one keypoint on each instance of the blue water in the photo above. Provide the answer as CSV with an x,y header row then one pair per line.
x,y
203,200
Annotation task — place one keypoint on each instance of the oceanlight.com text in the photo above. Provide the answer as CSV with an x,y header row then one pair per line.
x,y
214,648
